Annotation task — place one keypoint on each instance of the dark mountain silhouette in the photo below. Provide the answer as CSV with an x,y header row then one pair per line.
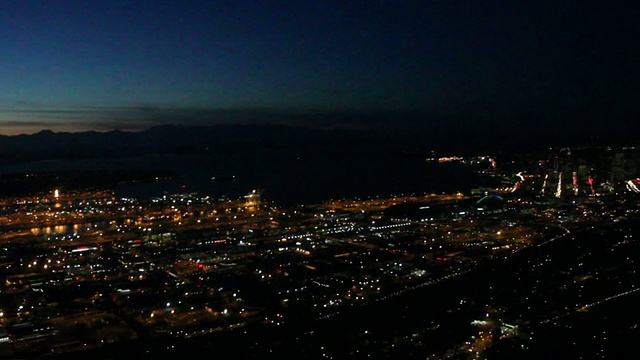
x,y
172,139
409,137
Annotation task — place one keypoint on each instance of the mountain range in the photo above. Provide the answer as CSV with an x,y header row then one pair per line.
x,y
224,138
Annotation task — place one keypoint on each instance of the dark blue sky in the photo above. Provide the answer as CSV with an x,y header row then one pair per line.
x,y
78,65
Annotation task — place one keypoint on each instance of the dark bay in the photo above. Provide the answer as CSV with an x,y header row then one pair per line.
x,y
285,177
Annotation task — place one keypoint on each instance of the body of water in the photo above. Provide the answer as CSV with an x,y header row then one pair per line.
x,y
284,176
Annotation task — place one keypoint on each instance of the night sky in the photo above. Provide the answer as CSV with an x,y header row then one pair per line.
x,y
519,65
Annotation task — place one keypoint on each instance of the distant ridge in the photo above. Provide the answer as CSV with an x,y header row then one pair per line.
x,y
413,138
163,139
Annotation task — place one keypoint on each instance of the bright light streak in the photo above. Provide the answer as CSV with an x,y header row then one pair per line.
x,y
544,183
559,189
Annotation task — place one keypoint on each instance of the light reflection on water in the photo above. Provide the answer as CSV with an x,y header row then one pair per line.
x,y
75,229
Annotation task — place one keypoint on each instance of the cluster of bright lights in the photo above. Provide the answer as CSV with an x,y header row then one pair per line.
x,y
559,189
632,186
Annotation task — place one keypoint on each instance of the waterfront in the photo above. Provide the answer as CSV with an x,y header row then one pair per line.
x,y
285,177
460,275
